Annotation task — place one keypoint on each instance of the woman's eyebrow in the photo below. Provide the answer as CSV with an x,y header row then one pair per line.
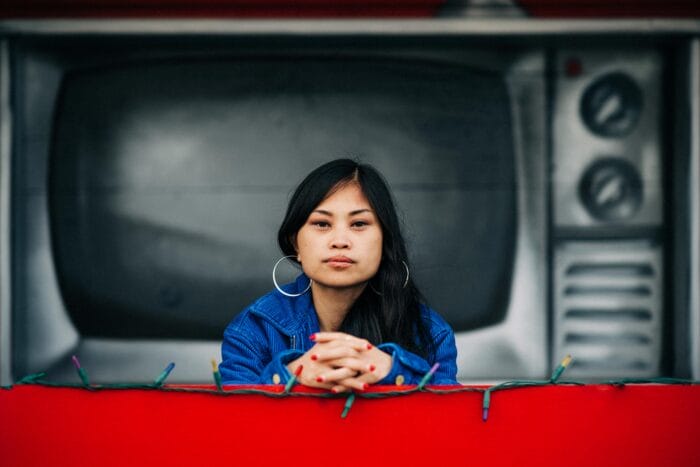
x,y
359,211
352,213
321,211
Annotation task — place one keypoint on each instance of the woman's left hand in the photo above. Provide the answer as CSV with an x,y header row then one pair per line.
x,y
371,364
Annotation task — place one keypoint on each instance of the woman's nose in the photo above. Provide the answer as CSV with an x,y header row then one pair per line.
x,y
340,240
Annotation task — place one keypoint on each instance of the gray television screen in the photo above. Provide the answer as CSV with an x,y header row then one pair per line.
x,y
168,181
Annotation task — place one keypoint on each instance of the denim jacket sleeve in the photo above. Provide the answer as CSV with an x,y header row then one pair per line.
x,y
409,368
247,360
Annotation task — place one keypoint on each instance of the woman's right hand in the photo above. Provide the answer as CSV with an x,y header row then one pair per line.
x,y
321,374
340,362
320,371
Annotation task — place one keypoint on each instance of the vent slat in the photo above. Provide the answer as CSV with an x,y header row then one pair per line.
x,y
635,291
610,269
610,364
607,301
600,314
626,338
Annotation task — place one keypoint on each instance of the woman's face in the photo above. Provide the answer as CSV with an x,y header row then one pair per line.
x,y
340,245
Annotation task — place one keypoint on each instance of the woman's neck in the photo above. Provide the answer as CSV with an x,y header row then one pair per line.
x,y
332,304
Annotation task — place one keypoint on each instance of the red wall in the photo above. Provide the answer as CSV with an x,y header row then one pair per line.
x,y
334,8
540,426
217,8
612,8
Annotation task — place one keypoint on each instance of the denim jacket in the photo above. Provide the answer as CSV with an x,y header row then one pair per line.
x,y
275,330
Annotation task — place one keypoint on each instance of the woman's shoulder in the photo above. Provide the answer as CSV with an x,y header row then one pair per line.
x,y
271,301
281,312
268,305
437,323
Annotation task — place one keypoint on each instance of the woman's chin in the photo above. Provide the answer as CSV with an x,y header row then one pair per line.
x,y
341,282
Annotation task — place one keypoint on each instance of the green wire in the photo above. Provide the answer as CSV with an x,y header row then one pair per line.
x,y
217,381
560,369
31,378
161,379
486,403
427,376
657,380
36,379
290,383
84,377
348,405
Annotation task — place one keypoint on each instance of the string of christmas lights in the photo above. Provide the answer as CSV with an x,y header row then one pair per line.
x,y
554,379
278,391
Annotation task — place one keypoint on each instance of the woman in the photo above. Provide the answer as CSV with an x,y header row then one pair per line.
x,y
354,317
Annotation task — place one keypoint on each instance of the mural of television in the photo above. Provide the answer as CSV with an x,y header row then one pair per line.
x,y
545,180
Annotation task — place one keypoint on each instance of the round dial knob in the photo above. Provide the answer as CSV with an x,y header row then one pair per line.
x,y
611,105
611,189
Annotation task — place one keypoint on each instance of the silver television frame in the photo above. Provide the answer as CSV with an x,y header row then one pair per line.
x,y
529,359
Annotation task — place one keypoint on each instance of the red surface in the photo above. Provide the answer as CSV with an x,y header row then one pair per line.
x,y
611,8
332,8
216,8
591,425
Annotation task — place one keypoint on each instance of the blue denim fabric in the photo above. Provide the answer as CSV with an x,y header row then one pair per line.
x,y
275,330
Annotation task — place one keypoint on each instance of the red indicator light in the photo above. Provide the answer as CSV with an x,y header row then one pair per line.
x,y
573,67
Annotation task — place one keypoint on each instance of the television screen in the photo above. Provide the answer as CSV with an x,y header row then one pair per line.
x,y
168,180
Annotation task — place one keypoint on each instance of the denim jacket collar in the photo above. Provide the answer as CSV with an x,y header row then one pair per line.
x,y
288,314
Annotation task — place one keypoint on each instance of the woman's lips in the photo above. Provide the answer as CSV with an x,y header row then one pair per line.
x,y
339,262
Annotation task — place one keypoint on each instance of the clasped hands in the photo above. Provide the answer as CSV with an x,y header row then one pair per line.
x,y
341,362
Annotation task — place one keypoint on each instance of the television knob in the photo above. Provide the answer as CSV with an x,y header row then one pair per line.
x,y
611,105
611,190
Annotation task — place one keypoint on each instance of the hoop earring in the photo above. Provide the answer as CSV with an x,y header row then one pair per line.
x,y
405,283
279,289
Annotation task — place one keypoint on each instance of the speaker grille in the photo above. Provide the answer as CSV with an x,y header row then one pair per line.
x,y
608,308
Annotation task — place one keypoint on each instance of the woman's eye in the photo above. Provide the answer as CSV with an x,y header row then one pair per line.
x,y
321,224
359,224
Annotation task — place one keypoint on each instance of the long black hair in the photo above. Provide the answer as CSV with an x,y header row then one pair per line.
x,y
388,310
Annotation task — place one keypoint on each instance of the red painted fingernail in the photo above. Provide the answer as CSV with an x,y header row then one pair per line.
x,y
313,337
334,390
319,379
314,357
298,370
365,387
369,346
372,368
